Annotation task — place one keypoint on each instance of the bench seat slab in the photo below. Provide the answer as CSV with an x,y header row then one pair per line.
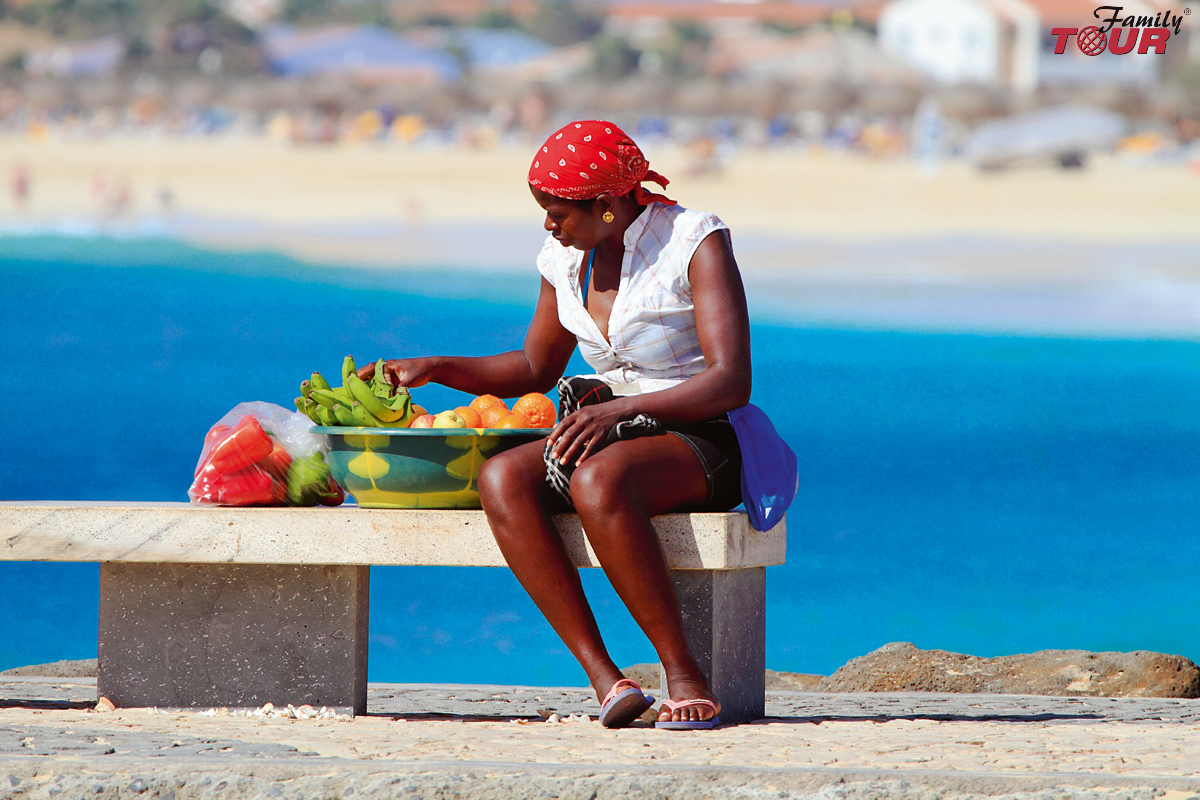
x,y
190,534
234,635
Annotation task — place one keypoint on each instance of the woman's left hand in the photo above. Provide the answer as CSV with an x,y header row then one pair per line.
x,y
577,436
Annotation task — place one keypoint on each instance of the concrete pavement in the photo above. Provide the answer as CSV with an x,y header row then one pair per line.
x,y
421,740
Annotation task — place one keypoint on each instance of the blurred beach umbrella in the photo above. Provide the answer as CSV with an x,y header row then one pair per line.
x,y
826,98
579,98
972,102
91,93
1066,134
16,40
195,92
1123,98
838,55
404,96
642,94
257,94
701,97
762,99
890,100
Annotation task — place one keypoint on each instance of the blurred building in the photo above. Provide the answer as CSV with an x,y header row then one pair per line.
x,y
488,52
254,14
1073,68
1009,44
364,52
988,42
89,59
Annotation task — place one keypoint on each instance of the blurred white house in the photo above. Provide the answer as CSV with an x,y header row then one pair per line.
x,y
989,42
1008,43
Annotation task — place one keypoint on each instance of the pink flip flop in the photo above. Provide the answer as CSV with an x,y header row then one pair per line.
x,y
688,724
624,703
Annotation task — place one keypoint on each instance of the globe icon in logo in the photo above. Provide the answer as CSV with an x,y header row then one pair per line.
x,y
1091,41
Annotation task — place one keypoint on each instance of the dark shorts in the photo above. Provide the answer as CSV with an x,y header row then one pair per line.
x,y
715,443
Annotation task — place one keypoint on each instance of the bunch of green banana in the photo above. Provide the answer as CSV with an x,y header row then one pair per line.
x,y
356,403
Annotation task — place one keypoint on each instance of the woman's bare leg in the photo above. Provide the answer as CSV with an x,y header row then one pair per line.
x,y
513,489
616,491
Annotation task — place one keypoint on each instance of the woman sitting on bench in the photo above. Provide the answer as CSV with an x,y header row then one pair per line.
x,y
651,294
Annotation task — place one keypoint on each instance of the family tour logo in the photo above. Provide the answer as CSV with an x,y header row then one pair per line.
x,y
1094,40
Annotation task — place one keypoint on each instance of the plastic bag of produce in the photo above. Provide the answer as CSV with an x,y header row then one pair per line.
x,y
260,454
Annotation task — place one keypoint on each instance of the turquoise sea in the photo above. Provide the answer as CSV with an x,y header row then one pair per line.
x,y
982,494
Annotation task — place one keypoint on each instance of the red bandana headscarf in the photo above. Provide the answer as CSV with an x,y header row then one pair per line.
x,y
583,159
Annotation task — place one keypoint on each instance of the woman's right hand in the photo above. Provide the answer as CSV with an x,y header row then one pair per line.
x,y
407,372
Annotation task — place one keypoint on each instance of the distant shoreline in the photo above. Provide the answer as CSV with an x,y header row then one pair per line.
x,y
1024,285
814,192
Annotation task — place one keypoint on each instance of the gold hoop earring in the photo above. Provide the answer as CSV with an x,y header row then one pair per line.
x,y
607,216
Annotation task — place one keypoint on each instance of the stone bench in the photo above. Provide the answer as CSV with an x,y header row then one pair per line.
x,y
205,606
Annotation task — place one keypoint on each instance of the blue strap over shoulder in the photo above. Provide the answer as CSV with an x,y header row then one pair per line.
x,y
770,478
587,278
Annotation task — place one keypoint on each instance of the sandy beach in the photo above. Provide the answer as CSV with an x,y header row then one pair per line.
x,y
822,237
783,192
491,741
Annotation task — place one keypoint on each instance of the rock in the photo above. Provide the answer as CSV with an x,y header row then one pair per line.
x,y
644,675
84,668
903,667
792,681
104,704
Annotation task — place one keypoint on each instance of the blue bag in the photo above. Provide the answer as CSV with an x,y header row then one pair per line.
x,y
769,475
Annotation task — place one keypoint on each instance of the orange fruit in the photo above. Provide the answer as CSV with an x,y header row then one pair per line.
x,y
511,421
418,411
471,416
490,416
485,401
537,409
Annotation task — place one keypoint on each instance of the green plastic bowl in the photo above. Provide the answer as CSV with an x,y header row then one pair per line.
x,y
417,467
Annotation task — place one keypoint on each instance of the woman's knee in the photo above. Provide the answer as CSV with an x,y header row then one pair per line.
x,y
598,488
505,481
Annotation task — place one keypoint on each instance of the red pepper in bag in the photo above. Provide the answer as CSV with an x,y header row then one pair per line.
x,y
205,489
245,445
210,440
248,459
277,463
247,487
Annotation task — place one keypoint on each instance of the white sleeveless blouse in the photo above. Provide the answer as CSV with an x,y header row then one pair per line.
x,y
652,338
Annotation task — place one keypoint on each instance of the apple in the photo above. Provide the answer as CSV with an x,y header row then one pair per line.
x,y
423,421
449,419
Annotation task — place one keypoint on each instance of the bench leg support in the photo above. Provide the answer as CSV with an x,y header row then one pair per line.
x,y
235,635
724,617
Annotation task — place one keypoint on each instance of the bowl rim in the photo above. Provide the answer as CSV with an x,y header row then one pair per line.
x,y
347,431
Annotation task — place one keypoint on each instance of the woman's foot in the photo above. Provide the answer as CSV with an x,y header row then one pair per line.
x,y
624,703
689,689
603,683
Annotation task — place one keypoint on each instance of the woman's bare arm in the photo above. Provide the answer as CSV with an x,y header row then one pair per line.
x,y
534,368
723,325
